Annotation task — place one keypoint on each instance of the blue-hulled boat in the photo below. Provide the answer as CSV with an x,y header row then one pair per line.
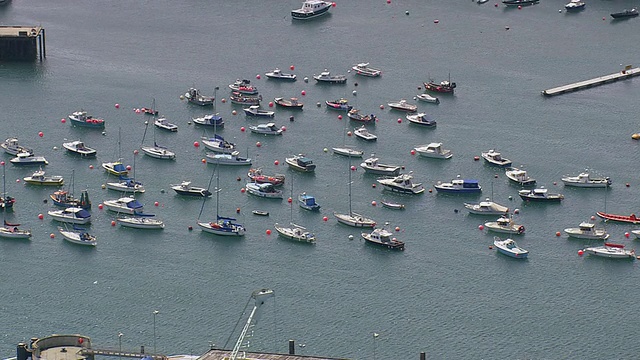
x,y
459,186
80,118
311,9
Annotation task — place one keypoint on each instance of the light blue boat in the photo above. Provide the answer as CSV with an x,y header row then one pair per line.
x,y
308,202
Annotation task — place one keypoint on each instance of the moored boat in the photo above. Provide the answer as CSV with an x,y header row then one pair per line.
x,y
383,237
308,202
364,134
428,98
185,188
158,152
11,231
587,230
164,124
279,75
339,104
585,179
365,70
620,218
243,99
311,9
295,232
327,78
402,183
78,147
73,215
115,168
254,110
421,119
611,250
626,13
63,198
291,103
373,166
354,114
540,195
243,87
445,87
575,5
264,190
232,159
266,129
209,120
504,225
12,147
218,144
78,236
459,186
301,163
510,248
495,158
39,178
80,118
126,184
26,159
519,176
520,2
141,222
403,105
392,205
348,151
125,205
486,207
195,97
257,176
433,150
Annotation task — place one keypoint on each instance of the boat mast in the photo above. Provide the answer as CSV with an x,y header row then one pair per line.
x,y
215,102
204,199
260,296
350,212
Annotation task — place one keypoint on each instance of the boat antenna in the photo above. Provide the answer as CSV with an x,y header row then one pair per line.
x,y
215,101
350,211
205,198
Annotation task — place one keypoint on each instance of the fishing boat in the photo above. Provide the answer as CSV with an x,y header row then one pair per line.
x,y
209,120
73,215
352,218
365,70
619,218
156,151
402,183
626,13
295,232
493,157
291,103
612,251
444,87
311,9
339,104
421,119
243,99
348,151
164,124
486,207
243,87
520,2
80,118
325,77
232,159
519,176
256,175
185,188
459,186
64,198
141,222
126,184
355,115
403,105
11,231
587,230
433,150
124,205
364,134
383,237
392,205
79,148
585,179
510,248
39,178
301,163
266,129
505,225
254,110
540,195
373,166
26,159
264,190
218,144
575,5
428,98
12,147
279,75
308,202
78,236
193,96
223,226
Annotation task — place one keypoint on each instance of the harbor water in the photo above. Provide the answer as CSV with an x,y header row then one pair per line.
x,y
448,294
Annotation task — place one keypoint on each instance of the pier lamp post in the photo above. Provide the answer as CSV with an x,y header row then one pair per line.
x,y
155,312
120,344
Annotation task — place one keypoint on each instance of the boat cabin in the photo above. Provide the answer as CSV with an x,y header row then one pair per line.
x,y
466,184
304,162
587,227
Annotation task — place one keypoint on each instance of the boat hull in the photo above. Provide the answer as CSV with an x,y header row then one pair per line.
x,y
301,15
354,220
141,223
221,230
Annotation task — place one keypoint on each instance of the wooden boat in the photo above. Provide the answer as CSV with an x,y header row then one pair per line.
x,y
209,120
243,99
279,75
73,215
218,144
301,163
620,218
364,134
433,150
540,195
12,147
520,2
365,70
428,98
257,176
39,178
291,103
254,110
495,158
308,202
444,87
402,183
164,124
585,179
295,232
263,190
185,188
383,237
627,13
392,205
421,119
612,251
403,105
311,9
504,225
194,97
459,186
78,147
339,104
519,176
355,115
26,159
11,231
232,159
372,166
510,248
326,78
80,118
266,129
141,222
587,230
78,236
243,87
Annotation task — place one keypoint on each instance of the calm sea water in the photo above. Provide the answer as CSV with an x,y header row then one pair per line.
x,y
448,294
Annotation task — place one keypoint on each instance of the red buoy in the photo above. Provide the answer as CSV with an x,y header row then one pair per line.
x,y
325,218
196,144
117,106
100,206
63,120
113,223
268,231
339,117
41,134
276,162
40,216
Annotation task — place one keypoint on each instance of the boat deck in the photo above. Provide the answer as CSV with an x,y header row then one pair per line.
x,y
601,80
217,354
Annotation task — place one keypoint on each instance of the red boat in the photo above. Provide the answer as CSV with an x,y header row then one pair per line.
x,y
621,218
443,87
256,176
149,111
291,103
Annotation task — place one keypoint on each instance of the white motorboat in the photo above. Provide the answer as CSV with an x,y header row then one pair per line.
x,y
158,152
279,75
12,147
504,225
495,158
254,110
164,124
510,248
575,5
78,147
195,97
311,9
421,119
264,190
348,151
295,232
127,185
185,188
73,215
326,77
459,186
11,231
383,237
610,250
403,105
78,236
232,159
142,222
428,98
301,163
209,120
125,205
372,166
433,150
365,70
540,195
402,183
636,233
26,159
243,87
392,205
587,230
266,129
218,144
519,176
486,207
585,179
364,134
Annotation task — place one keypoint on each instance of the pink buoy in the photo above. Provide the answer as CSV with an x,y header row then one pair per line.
x,y
495,176
135,152
156,203
558,233
381,107
353,168
399,121
593,217
292,67
258,144
242,129
430,191
374,203
52,235
80,340
63,120
333,4
480,227
190,228
283,128
580,252
234,112
373,185
223,100
128,167
270,103
17,180
388,1
555,183
258,76
349,133
203,160
303,93
276,163
339,117
627,185
476,158
40,216
91,167
2,163
138,111
519,7
100,206
626,235
268,231
289,200
496,4
237,210
117,106
413,152
242,190
516,211
325,218
196,144
436,21
41,134
397,228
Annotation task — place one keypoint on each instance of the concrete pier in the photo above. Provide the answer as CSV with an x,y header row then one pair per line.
x,y
22,43
627,73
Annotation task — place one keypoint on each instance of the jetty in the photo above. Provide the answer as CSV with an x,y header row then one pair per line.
x,y
627,73
22,43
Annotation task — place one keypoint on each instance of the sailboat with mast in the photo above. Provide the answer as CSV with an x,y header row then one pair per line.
x,y
347,150
10,230
224,226
116,167
126,184
64,198
294,231
352,218
6,201
155,151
